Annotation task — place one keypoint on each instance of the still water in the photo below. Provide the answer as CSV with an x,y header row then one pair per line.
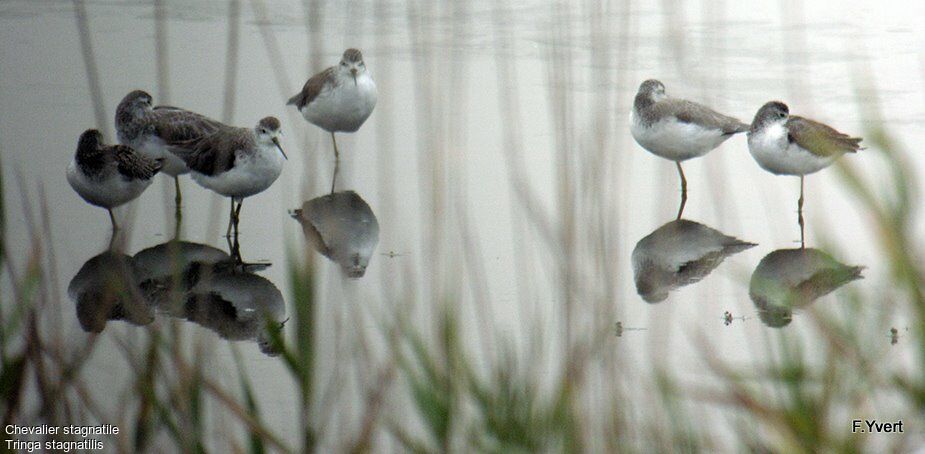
x,y
497,169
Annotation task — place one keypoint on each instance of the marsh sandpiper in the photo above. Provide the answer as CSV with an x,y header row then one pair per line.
x,y
109,175
340,98
677,129
156,131
785,144
236,162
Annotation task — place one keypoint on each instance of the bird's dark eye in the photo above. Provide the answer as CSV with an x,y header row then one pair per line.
x,y
781,114
343,63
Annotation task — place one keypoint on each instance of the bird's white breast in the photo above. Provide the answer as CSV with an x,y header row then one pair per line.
x,y
155,148
675,140
775,153
252,173
343,107
108,190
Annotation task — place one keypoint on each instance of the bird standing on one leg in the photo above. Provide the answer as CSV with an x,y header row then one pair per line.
x,y
109,175
156,131
340,98
785,144
677,129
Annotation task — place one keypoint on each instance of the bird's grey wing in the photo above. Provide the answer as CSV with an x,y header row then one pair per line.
x,y
215,153
825,281
820,139
178,126
133,165
312,88
691,112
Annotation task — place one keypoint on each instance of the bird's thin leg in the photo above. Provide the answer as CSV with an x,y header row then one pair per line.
x,y
336,153
236,248
336,170
237,217
178,199
230,220
800,215
683,189
112,218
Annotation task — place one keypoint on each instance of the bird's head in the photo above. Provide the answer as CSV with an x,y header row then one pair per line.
x,y
652,89
771,113
90,140
135,102
268,131
352,63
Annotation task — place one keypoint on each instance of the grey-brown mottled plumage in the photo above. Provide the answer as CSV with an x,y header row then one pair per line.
x,y
820,139
109,175
677,254
215,153
312,88
690,112
159,131
788,279
653,105
136,117
94,158
817,138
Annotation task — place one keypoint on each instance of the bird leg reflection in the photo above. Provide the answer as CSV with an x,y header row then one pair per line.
x,y
800,216
683,190
683,203
234,249
230,220
178,198
112,219
233,218
336,171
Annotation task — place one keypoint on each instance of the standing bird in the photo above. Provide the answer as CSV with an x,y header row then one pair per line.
x,y
677,129
340,98
109,175
236,162
157,131
785,144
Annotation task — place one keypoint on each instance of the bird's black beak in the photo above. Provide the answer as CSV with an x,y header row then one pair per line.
x,y
276,142
354,72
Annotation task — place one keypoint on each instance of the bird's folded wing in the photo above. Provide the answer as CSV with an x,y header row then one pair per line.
x,y
819,139
134,165
177,126
691,112
312,88
215,153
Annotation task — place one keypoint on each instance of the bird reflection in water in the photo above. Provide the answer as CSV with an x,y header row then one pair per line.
x,y
788,279
679,253
107,288
181,279
342,227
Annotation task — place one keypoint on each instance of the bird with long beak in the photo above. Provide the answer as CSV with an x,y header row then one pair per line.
x,y
237,162
329,101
